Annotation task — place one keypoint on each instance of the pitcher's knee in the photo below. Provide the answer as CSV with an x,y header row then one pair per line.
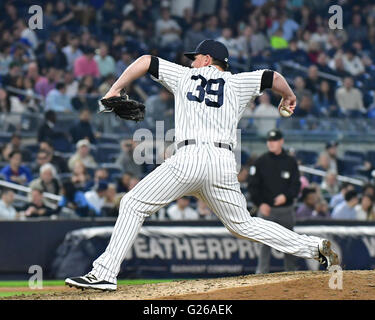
x,y
130,205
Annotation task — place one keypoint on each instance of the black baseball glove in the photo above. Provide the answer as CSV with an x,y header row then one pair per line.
x,y
124,107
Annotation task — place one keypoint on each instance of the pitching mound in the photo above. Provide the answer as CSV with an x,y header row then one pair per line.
x,y
288,285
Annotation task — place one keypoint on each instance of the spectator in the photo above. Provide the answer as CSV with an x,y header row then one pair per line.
x,y
26,34
227,39
45,84
296,54
309,199
159,106
212,30
337,65
86,65
194,36
14,72
75,200
41,159
109,209
47,181
7,211
124,182
83,129
36,208
331,151
106,63
167,30
82,154
352,63
365,209
350,99
204,211
52,57
312,80
126,159
300,88
123,63
63,16
100,175
57,99
306,107
356,30
57,161
287,26
47,129
80,176
345,210
15,172
81,100
321,210
181,210
325,99
71,84
267,114
72,51
16,145
321,164
97,196
277,41
340,197
330,185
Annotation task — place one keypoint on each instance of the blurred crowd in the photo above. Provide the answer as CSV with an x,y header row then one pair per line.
x,y
85,45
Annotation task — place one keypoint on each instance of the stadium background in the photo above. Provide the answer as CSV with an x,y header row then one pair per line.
x,y
51,79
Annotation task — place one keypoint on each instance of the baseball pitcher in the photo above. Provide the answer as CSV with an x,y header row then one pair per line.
x,y
209,102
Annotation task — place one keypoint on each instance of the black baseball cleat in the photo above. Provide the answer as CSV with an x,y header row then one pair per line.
x,y
89,281
327,257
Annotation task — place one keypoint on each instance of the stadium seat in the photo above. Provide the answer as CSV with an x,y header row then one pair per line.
x,y
307,157
62,144
361,156
107,152
371,157
113,169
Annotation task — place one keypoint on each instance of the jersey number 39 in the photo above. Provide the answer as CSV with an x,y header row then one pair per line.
x,y
205,87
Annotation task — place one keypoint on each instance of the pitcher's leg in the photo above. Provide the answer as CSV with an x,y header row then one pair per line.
x,y
230,206
156,190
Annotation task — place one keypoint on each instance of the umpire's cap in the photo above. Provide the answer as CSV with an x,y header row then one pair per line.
x,y
274,135
214,48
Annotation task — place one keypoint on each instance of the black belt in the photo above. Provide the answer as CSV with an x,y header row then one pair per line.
x,y
192,141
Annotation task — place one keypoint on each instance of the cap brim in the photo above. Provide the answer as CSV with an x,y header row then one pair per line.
x,y
190,55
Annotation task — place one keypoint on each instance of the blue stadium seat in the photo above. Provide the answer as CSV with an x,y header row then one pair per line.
x,y
106,152
361,156
307,156
347,166
113,170
371,157
62,144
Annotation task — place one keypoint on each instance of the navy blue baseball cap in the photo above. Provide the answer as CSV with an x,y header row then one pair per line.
x,y
214,48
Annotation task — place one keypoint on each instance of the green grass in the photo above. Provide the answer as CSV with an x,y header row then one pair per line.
x,y
55,283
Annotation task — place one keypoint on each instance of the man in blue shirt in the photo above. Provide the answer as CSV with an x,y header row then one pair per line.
x,y
345,210
14,171
57,99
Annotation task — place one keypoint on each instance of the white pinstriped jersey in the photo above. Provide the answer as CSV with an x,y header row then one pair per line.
x,y
208,102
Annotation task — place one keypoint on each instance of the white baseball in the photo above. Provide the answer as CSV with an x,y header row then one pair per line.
x,y
284,112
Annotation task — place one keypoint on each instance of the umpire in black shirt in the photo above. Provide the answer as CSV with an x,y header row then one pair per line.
x,y
274,184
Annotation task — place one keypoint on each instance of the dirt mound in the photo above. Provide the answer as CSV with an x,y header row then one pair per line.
x,y
286,285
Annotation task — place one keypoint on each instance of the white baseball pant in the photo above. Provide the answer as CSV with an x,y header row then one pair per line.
x,y
209,173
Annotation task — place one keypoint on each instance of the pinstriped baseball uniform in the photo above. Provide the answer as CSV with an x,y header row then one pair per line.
x,y
208,106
